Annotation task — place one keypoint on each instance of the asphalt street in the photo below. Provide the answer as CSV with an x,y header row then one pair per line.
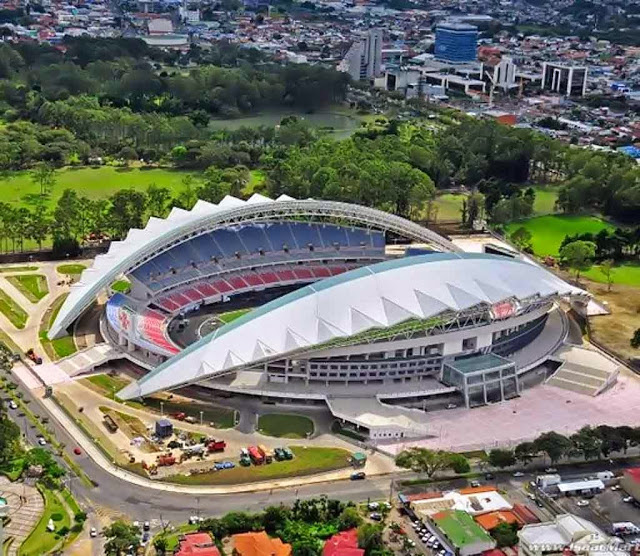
x,y
119,497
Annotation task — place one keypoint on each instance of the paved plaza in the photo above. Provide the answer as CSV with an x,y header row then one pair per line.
x,y
25,508
540,409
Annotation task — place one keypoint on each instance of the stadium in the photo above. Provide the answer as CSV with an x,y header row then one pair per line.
x,y
319,302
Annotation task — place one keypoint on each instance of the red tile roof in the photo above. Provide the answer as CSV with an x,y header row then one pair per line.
x,y
491,520
634,474
197,544
343,544
260,544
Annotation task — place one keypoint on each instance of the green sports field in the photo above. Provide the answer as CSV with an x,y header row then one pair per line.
x,y
627,274
549,231
98,182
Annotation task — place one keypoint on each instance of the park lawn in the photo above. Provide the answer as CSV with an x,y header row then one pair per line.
x,y
627,274
7,269
41,541
257,179
549,231
449,205
285,425
10,309
232,315
92,182
60,347
306,461
545,200
105,385
33,286
12,469
122,286
64,346
70,269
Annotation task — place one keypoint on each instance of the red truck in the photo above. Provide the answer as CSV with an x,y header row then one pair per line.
x,y
256,455
166,460
216,446
179,416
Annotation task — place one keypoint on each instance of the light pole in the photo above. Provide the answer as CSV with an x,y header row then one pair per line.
x,y
162,409
201,414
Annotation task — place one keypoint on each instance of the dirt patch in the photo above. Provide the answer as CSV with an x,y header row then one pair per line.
x,y
614,331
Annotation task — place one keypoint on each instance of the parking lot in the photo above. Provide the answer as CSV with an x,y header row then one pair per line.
x,y
603,509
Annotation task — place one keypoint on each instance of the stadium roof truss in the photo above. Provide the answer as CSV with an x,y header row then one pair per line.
x,y
160,235
395,297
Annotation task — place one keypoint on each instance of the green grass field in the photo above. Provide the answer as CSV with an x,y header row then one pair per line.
x,y
627,274
122,286
101,182
94,183
306,461
549,231
8,269
60,347
449,204
10,309
32,286
232,315
285,425
41,541
70,269
105,385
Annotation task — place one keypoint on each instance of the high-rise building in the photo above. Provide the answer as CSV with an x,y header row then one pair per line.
x,y
456,42
372,53
564,79
363,60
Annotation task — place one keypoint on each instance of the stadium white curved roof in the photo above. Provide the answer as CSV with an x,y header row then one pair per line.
x,y
161,234
375,296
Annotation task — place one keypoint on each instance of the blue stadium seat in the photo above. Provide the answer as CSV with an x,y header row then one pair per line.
x,y
279,235
254,239
229,242
333,234
306,234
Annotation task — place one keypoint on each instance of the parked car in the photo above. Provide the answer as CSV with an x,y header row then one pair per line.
x,y
358,476
518,474
77,451
146,526
628,499
475,484
539,503
615,487
375,516
93,532
373,506
489,476
582,503
550,470
42,441
13,405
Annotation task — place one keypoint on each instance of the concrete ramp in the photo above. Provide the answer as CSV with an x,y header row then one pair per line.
x,y
584,371
383,421
80,362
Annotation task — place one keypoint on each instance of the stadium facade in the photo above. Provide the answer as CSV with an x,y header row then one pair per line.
x,y
370,336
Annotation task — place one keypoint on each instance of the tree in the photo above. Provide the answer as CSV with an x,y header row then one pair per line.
x,y
502,458
553,444
587,442
160,544
158,200
350,518
370,538
635,340
525,452
459,464
607,269
578,255
44,176
423,460
274,518
505,534
9,437
521,238
126,211
121,538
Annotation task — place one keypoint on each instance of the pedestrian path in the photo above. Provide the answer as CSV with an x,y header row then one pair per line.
x,y
25,508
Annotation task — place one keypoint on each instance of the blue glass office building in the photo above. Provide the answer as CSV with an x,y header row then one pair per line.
x,y
456,42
